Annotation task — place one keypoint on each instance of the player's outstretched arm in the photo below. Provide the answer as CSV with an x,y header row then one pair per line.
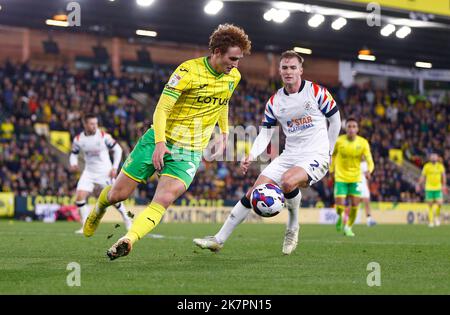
x,y
179,81
162,111
444,183
245,163
368,157
333,129
117,156
333,159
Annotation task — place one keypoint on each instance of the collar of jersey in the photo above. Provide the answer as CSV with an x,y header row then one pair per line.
x,y
302,85
211,69
86,135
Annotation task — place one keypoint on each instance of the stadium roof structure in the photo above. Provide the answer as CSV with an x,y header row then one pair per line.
x,y
184,21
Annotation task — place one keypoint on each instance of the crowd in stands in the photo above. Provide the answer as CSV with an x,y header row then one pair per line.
x,y
58,99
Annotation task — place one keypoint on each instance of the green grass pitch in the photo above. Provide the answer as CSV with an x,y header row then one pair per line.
x,y
412,259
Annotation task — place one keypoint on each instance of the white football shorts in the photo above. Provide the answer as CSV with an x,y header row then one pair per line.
x,y
316,166
365,192
88,181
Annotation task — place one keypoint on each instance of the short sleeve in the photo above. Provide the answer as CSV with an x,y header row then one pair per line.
x,y
179,81
325,101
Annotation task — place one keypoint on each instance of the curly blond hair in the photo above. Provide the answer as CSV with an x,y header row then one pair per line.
x,y
229,35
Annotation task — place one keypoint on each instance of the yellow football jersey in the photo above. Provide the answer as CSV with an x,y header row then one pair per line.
x,y
433,175
346,160
202,96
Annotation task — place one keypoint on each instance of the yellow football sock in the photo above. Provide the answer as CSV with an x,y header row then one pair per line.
x,y
430,214
102,202
340,209
352,216
145,221
438,210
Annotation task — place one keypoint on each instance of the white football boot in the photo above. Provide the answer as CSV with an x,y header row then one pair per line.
x,y
208,242
290,241
437,222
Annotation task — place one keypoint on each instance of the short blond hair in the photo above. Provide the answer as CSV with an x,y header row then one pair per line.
x,y
292,54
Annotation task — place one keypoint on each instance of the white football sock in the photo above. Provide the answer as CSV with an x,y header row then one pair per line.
x,y
237,215
83,210
123,212
293,205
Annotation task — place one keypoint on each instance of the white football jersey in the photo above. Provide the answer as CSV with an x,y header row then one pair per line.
x,y
96,150
302,116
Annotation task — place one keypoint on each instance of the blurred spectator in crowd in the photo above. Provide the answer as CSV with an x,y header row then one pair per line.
x,y
389,119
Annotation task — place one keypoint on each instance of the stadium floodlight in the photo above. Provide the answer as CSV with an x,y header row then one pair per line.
x,y
422,64
387,30
278,16
339,23
60,17
146,33
316,20
403,32
269,14
213,7
281,16
367,57
144,3
303,50
56,23
291,6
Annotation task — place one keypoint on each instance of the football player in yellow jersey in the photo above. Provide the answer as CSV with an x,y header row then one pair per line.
x,y
433,174
194,100
346,166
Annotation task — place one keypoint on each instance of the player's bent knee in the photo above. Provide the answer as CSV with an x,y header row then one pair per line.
x,y
288,186
81,195
80,203
303,184
116,195
293,179
287,183
165,199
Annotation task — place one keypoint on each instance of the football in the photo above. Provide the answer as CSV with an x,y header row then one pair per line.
x,y
267,200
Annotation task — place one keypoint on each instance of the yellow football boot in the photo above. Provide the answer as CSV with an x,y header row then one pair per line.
x,y
92,222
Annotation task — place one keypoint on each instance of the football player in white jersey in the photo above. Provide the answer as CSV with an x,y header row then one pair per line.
x,y
365,193
302,108
95,144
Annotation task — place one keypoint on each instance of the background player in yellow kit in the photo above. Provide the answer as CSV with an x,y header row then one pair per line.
x,y
433,174
193,101
346,166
